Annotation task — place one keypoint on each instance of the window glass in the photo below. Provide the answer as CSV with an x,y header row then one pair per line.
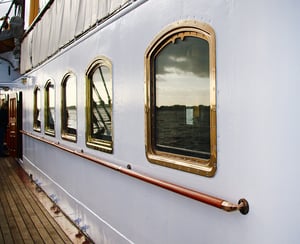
x,y
100,105
181,99
69,107
37,109
49,108
182,92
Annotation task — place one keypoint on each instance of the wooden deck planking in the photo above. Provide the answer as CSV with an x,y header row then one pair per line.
x,y
25,211
20,215
23,218
5,231
45,226
9,216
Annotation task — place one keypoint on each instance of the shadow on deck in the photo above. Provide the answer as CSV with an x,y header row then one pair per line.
x,y
27,214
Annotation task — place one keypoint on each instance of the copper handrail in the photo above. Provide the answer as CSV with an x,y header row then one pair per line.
x,y
242,204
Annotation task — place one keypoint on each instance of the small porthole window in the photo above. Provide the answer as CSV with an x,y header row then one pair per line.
x,y
49,111
99,105
180,102
37,109
69,108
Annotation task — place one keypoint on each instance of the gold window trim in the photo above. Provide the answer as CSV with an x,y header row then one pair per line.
x,y
64,134
48,130
205,167
35,126
98,144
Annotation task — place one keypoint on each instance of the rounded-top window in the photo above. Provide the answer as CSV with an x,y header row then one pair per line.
x,y
180,109
69,107
49,111
99,105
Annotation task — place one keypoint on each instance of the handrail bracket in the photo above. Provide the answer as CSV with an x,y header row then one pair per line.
x,y
242,206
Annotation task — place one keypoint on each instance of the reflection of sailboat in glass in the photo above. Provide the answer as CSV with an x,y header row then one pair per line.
x,y
101,117
51,118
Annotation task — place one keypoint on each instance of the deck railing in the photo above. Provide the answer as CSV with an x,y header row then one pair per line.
x,y
242,204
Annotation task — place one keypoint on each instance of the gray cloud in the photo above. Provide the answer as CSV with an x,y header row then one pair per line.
x,y
188,55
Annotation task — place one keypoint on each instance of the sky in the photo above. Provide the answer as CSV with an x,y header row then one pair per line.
x,y
4,6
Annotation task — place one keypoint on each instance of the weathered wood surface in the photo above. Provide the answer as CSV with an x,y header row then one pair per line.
x,y
23,218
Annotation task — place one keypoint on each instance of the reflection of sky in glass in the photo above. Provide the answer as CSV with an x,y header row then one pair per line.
x,y
51,95
71,91
182,73
51,104
38,99
102,80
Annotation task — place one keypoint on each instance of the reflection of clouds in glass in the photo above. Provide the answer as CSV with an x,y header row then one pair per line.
x,y
173,70
186,89
188,55
182,73
178,59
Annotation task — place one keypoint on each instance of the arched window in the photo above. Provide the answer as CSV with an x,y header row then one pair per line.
x,y
181,109
99,105
49,110
37,109
69,108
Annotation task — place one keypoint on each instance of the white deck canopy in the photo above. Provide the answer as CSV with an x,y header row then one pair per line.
x,y
61,23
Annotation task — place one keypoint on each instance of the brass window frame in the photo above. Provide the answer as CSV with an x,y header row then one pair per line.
x,y
48,130
98,144
64,133
204,167
36,127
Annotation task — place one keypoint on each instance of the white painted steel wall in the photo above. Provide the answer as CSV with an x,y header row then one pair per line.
x,y
257,128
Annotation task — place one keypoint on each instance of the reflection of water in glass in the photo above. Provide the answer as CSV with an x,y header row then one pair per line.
x,y
72,118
